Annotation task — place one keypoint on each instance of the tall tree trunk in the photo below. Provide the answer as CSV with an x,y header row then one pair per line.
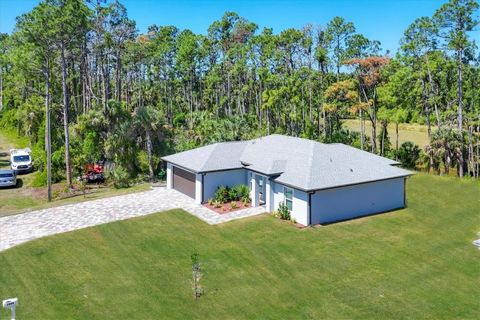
x,y
118,78
310,97
478,150
432,90
427,120
374,130
106,83
384,131
374,122
362,130
396,141
68,167
48,137
149,154
322,106
426,109
268,122
470,159
1,89
460,110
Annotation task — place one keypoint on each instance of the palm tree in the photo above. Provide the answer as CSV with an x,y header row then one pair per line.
x,y
147,121
445,144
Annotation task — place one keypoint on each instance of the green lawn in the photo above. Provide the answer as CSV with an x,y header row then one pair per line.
x,y
407,264
415,133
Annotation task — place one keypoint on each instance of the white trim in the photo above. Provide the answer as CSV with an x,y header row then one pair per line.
x,y
198,188
169,175
269,195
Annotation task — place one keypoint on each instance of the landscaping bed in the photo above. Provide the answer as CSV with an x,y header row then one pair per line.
x,y
227,207
228,199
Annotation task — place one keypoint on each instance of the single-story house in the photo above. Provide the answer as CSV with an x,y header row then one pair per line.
x,y
320,183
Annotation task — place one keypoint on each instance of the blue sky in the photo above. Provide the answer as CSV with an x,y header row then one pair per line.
x,y
383,20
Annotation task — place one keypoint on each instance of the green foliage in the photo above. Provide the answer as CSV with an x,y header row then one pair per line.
x,y
120,177
444,148
232,194
162,175
91,147
222,194
344,136
179,120
40,179
234,204
172,90
216,204
283,211
384,139
408,154
8,118
240,192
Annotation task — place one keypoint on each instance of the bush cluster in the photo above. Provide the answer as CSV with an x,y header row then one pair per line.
x,y
120,177
408,154
283,212
225,194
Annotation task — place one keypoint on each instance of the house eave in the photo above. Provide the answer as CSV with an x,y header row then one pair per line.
x,y
356,183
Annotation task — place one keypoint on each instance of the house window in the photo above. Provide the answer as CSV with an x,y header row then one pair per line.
x,y
288,193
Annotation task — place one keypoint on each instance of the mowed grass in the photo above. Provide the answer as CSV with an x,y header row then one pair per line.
x,y
408,264
413,132
24,197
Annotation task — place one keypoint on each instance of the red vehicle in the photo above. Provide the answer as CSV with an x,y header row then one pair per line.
x,y
94,172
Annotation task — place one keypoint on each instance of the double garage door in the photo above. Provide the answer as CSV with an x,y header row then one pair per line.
x,y
184,181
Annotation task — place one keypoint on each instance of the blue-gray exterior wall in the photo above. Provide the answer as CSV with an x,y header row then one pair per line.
x,y
299,203
228,178
358,200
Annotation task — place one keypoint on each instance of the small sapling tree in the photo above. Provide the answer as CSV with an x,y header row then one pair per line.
x,y
197,275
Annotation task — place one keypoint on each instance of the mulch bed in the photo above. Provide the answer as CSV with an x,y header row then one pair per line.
x,y
227,207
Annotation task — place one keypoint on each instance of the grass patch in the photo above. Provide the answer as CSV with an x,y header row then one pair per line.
x,y
408,264
413,132
9,139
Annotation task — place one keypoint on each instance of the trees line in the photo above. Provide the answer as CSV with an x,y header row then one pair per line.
x,y
83,84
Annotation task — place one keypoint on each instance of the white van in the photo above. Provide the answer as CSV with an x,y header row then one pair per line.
x,y
20,160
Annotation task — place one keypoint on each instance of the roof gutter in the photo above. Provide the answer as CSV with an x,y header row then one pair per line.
x,y
343,185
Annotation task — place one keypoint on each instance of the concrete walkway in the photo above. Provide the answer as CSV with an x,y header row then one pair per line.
x,y
21,228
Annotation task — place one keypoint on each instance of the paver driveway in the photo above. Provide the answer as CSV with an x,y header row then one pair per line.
x,y
24,227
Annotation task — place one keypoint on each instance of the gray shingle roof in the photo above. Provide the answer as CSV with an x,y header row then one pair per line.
x,y
301,163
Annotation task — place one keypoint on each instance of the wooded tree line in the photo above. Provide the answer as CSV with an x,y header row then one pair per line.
x,y
80,80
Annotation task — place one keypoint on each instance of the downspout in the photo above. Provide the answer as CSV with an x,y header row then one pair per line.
x,y
203,188
310,208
